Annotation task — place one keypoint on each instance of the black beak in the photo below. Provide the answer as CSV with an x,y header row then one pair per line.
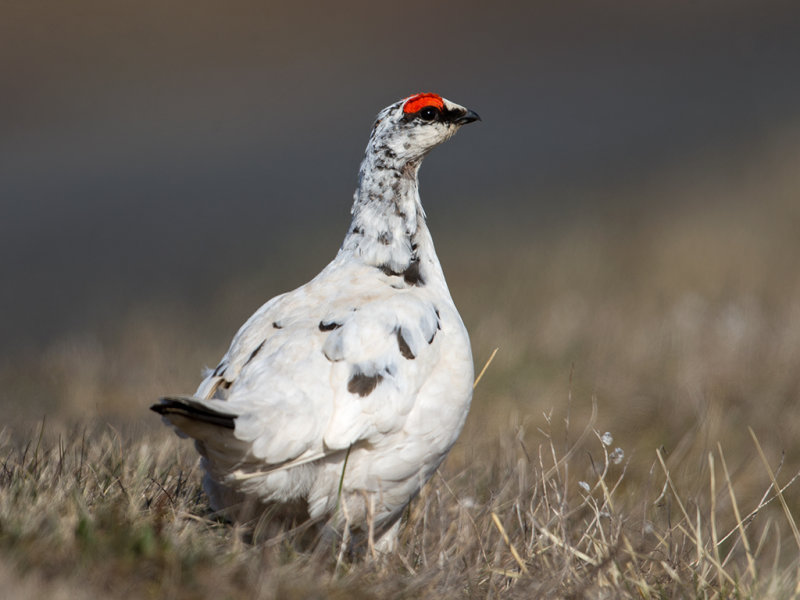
x,y
467,117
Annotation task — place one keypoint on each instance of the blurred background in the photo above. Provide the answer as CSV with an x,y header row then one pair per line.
x,y
624,224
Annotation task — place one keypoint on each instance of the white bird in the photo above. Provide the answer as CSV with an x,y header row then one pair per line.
x,y
338,400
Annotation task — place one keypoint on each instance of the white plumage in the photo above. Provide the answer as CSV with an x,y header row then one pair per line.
x,y
340,399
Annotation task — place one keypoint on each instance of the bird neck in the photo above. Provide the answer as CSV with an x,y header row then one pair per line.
x,y
388,229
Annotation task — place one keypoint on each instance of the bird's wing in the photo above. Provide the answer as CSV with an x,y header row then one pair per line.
x,y
380,355
320,369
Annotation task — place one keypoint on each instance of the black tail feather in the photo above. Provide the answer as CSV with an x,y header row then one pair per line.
x,y
186,407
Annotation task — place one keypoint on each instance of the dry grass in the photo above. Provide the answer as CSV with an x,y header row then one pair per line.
x,y
678,331
123,516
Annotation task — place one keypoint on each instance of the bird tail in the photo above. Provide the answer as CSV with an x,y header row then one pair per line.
x,y
213,431
177,408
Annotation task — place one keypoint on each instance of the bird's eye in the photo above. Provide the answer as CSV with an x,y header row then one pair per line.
x,y
429,113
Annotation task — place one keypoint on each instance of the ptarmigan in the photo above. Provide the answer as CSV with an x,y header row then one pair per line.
x,y
337,401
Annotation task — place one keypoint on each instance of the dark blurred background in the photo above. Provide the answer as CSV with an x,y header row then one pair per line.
x,y
172,158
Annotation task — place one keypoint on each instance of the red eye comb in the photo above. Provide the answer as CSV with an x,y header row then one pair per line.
x,y
419,101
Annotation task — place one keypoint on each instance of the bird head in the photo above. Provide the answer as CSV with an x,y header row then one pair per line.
x,y
408,129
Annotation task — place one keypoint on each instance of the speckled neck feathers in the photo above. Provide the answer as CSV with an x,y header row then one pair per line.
x,y
388,229
388,217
